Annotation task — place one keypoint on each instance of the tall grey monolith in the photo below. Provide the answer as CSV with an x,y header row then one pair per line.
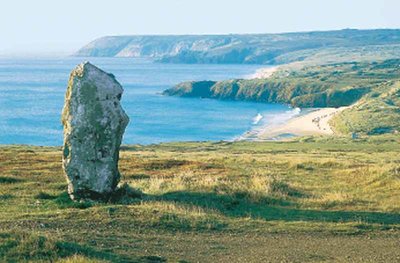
x,y
94,123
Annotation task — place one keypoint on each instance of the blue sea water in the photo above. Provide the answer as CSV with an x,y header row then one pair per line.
x,y
32,96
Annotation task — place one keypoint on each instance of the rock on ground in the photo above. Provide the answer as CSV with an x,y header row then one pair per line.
x,y
94,123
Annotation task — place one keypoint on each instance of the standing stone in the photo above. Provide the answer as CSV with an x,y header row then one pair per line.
x,y
94,123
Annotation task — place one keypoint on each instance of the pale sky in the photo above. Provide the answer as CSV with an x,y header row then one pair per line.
x,y
63,26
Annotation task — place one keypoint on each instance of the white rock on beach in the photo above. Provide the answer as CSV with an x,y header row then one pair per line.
x,y
94,123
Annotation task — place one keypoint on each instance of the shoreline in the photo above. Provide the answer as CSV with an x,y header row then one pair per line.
x,y
314,122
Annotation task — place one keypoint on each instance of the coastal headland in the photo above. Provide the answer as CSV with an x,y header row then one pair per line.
x,y
339,98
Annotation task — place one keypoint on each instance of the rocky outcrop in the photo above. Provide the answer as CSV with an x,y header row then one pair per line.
x,y
94,123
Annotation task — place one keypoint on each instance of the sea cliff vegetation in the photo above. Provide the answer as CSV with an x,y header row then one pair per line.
x,y
372,85
310,199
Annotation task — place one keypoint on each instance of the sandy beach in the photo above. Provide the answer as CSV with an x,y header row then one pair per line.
x,y
310,122
263,73
315,122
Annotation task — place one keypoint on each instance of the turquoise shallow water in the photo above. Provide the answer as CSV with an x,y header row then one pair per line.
x,y
32,96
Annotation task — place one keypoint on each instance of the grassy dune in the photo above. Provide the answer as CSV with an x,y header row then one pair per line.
x,y
377,113
314,199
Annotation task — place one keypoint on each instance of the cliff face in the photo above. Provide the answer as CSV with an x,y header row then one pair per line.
x,y
299,94
200,89
249,49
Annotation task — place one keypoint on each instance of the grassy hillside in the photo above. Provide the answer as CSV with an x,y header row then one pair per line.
x,y
331,85
314,199
377,113
331,55
251,48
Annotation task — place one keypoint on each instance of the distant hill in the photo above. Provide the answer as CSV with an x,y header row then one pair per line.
x,y
247,49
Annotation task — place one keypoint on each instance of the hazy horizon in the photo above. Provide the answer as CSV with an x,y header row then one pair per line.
x,y
46,27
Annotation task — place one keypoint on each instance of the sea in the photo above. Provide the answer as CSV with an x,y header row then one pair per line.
x,y
32,94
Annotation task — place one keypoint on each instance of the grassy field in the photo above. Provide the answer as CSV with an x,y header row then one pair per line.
x,y
313,199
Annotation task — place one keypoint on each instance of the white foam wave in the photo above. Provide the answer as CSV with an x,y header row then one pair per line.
x,y
271,120
257,119
296,111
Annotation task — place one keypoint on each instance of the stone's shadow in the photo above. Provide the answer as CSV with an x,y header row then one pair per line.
x,y
123,195
273,209
237,206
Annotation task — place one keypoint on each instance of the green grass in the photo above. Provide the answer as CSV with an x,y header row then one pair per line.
x,y
377,113
188,201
